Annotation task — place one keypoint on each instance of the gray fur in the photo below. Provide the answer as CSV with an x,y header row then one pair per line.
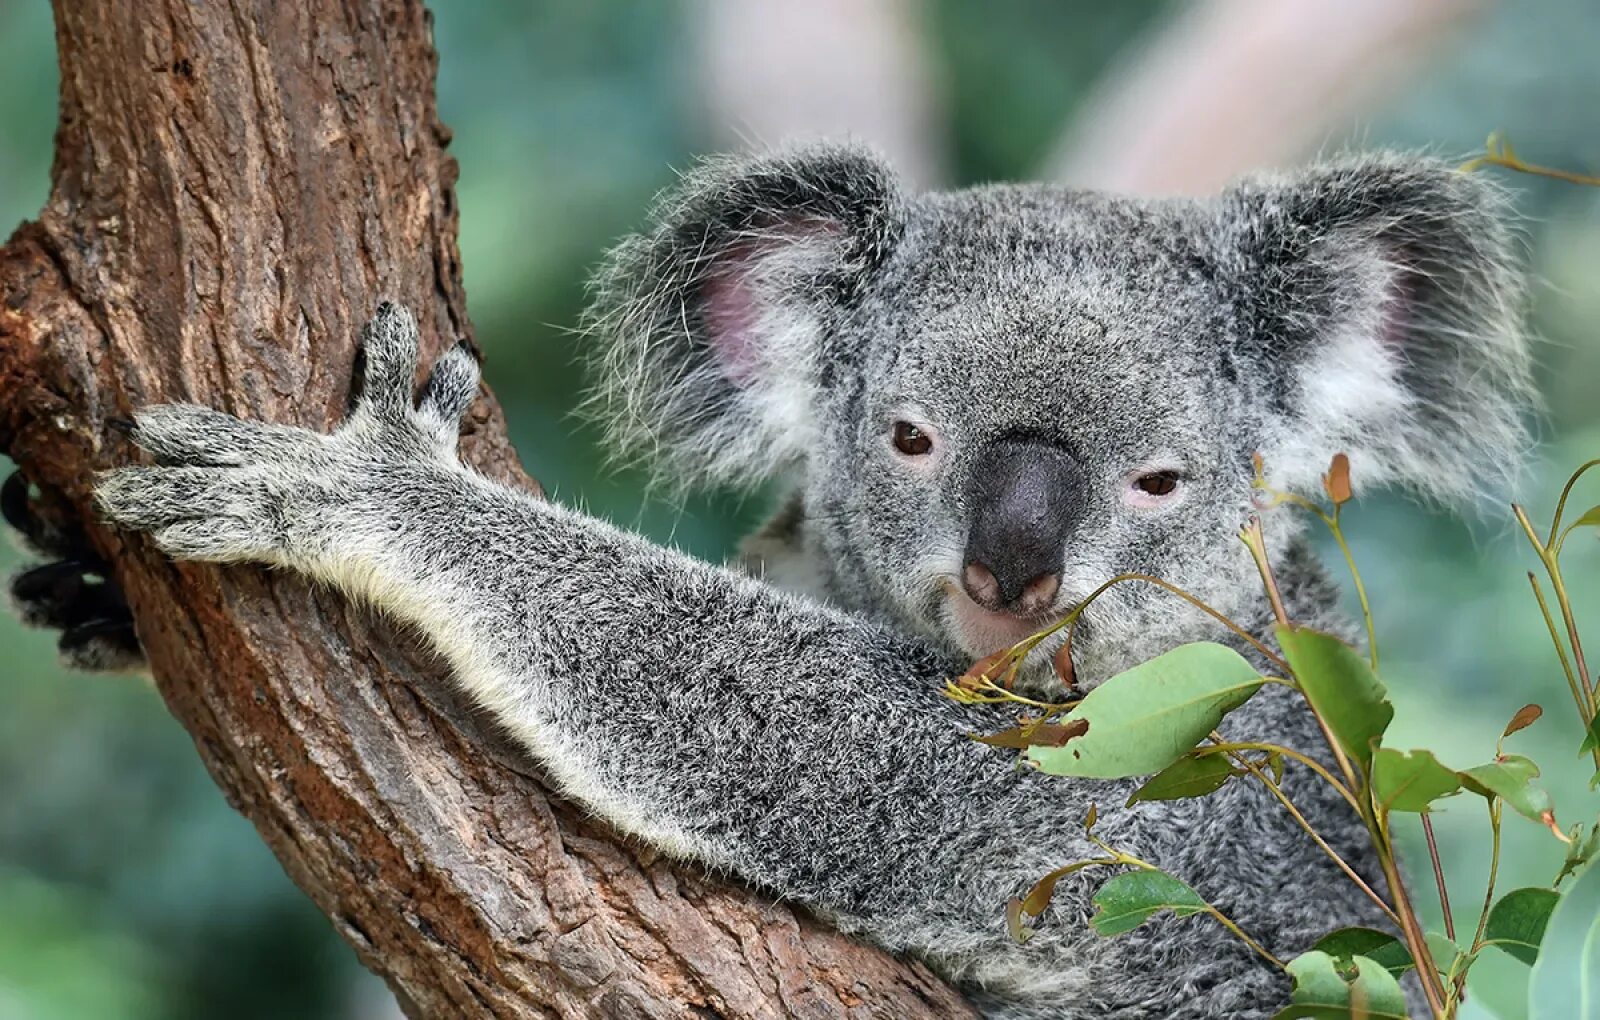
x,y
798,739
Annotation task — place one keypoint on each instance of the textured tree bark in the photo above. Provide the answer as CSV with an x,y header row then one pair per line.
x,y
235,186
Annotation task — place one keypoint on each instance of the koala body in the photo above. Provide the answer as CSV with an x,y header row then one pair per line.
x,y
985,403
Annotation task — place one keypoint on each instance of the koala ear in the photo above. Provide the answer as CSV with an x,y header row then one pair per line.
x,y
715,327
1380,305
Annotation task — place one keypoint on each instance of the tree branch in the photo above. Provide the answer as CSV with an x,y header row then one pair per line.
x,y
235,186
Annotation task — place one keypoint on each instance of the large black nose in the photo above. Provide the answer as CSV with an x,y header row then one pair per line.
x,y
1026,497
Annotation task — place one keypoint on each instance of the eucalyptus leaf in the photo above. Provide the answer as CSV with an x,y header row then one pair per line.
x,y
1565,983
1341,687
1380,947
1410,780
1132,898
1187,777
1142,720
1321,991
1447,956
1510,777
1517,922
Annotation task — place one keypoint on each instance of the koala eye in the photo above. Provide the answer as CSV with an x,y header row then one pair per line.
x,y
1151,489
910,440
1157,483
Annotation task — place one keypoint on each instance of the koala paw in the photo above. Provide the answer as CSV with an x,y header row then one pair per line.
x,y
72,592
227,490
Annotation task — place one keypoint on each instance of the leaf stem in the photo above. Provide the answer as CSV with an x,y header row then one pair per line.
x,y
1316,837
1438,876
1498,153
1561,504
1550,557
1360,586
1071,619
1304,759
1561,649
1495,807
1432,988
1255,540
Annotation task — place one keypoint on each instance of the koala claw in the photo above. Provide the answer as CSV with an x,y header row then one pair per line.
x,y
72,593
227,490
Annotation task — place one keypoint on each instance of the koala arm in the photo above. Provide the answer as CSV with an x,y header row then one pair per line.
x,y
796,746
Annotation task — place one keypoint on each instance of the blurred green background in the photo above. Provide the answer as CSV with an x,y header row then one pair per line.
x,y
129,889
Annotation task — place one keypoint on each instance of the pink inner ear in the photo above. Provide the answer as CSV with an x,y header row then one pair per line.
x,y
730,298
730,319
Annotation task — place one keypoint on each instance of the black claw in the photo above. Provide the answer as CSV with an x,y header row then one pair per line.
x,y
74,594
14,503
124,425
102,645
67,594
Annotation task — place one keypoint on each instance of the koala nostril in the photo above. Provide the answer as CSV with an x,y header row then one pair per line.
x,y
1039,593
981,585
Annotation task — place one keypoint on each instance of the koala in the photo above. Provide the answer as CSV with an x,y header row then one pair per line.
x,y
979,405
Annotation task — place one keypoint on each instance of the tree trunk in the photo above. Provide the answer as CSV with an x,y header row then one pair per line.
x,y
235,186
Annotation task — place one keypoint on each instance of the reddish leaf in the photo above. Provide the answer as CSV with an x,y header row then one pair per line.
x,y
1028,735
989,666
1337,481
1525,717
1039,896
1063,667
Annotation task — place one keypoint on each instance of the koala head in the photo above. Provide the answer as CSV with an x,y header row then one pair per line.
x,y
993,400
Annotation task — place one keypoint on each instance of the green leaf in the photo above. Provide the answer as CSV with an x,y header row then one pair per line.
x,y
1516,924
1591,736
1130,899
1380,947
1510,778
1143,720
1590,518
1565,983
1448,958
1323,991
1341,687
1187,777
1410,780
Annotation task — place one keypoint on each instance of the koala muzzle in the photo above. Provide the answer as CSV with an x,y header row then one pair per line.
x,y
1026,498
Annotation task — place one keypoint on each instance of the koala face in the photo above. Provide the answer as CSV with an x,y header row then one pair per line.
x,y
996,400
1041,406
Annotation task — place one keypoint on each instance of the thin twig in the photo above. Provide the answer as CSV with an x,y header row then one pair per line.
x,y
1322,844
1438,876
1488,895
1304,759
1561,649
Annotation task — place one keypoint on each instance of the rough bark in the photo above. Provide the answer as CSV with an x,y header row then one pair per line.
x,y
235,186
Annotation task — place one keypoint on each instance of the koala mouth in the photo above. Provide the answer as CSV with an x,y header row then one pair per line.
x,y
980,631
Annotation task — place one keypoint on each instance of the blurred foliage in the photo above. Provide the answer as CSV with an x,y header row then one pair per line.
x,y
129,889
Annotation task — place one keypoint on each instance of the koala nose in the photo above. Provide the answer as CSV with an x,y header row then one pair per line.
x,y
1026,498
